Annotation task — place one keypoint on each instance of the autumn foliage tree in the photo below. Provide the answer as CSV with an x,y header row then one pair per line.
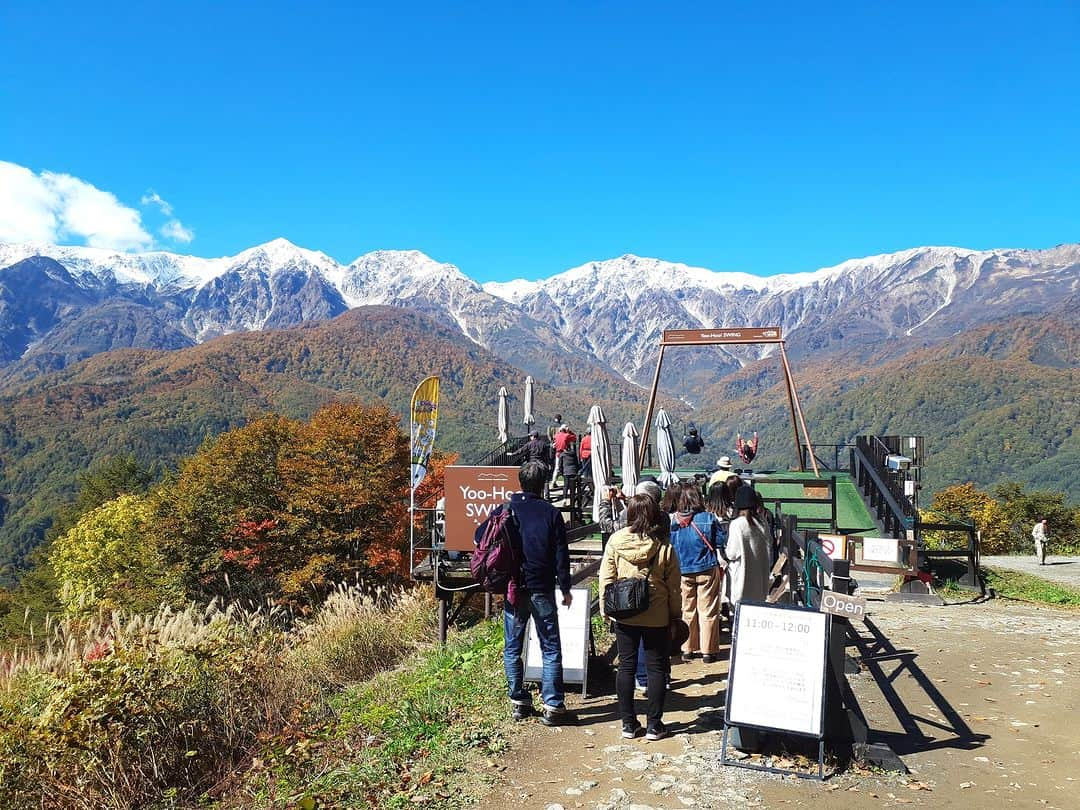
x,y
280,509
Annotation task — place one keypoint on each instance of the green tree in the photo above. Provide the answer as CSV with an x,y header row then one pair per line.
x,y
968,503
1025,508
108,560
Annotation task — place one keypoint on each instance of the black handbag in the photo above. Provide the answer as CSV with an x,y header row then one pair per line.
x,y
628,596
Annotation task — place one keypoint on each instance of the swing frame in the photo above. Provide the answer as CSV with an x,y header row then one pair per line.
x,y
727,336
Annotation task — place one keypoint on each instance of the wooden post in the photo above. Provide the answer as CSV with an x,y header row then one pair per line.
x,y
788,384
487,605
797,409
443,598
644,445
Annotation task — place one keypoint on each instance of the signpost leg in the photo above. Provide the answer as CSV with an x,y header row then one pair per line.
x,y
443,602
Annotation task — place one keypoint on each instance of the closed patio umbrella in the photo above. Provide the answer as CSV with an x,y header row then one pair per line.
x,y
629,459
665,450
504,416
529,418
600,458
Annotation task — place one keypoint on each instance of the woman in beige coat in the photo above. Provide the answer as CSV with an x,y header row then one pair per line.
x,y
642,550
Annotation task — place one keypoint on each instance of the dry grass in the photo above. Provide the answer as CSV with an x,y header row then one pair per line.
x,y
129,711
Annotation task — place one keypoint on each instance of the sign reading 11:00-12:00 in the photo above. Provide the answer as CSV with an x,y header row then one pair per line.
x,y
757,623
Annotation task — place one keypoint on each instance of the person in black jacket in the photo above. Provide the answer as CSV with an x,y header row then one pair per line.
x,y
535,449
692,441
545,564
570,470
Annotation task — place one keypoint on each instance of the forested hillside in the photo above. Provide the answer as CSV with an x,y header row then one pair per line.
x,y
160,405
1001,403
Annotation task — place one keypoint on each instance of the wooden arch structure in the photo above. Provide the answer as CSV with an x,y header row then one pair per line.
x,y
726,337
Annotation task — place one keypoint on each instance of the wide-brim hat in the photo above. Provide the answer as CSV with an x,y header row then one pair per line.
x,y
679,632
724,462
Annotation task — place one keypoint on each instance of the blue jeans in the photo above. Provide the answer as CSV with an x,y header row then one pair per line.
x,y
541,607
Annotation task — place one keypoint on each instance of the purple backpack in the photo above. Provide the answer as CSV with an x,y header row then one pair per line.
x,y
496,563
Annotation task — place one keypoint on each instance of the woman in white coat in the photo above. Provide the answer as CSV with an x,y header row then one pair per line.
x,y
747,550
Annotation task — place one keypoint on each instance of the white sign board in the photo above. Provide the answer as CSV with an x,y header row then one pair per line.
x,y
777,677
883,549
574,634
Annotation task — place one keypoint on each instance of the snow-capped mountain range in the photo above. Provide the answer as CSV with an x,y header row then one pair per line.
x,y
59,304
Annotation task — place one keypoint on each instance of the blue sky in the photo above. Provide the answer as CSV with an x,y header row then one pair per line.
x,y
522,139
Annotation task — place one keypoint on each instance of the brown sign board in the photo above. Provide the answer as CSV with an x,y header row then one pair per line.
x,y
839,604
471,494
714,337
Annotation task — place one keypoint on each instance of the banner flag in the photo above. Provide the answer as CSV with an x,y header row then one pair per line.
x,y
425,415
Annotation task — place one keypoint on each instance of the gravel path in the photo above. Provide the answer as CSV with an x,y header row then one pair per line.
x,y
1065,570
978,698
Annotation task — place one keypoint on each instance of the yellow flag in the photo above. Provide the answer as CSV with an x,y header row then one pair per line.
x,y
425,415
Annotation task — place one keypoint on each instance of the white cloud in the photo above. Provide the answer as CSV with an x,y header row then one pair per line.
x,y
176,231
151,197
53,207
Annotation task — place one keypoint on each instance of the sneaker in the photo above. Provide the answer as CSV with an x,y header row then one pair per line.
x,y
657,731
690,656
522,712
632,730
708,658
642,688
558,718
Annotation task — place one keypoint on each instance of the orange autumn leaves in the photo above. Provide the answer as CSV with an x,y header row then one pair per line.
x,y
281,509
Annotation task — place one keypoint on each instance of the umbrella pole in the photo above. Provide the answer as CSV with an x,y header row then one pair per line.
x,y
644,445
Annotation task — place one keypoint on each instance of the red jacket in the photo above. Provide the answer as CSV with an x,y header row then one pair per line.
x,y
563,438
585,448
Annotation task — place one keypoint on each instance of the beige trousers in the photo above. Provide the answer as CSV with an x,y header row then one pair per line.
x,y
701,611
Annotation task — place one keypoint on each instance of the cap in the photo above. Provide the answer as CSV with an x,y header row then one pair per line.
x,y
564,426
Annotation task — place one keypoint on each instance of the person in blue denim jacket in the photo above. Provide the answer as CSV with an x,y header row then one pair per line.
x,y
698,538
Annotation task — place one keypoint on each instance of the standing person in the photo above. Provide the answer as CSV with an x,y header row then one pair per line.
x,y
585,448
563,437
535,449
642,549
747,550
553,428
545,562
1038,534
722,471
696,536
570,471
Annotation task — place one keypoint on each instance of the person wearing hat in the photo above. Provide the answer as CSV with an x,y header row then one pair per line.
x,y
642,549
723,470
747,550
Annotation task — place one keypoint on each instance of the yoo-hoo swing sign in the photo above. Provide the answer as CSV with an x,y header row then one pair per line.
x,y
471,494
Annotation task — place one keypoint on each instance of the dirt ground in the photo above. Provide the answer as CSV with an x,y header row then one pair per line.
x,y
978,699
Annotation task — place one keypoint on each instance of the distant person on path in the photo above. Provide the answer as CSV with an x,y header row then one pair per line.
x,y
746,450
545,563
642,549
692,441
696,536
748,550
1038,534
